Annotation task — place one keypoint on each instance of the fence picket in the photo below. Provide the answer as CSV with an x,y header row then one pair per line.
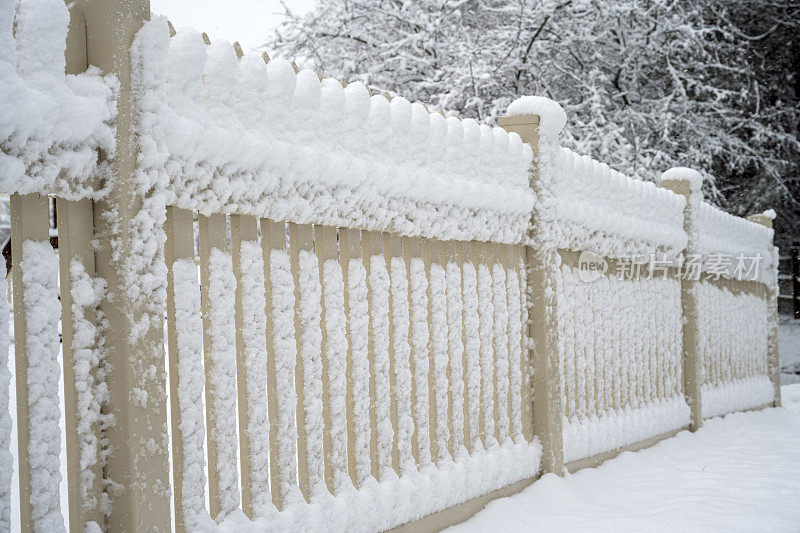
x,y
75,233
419,336
500,330
30,221
185,369
251,365
281,361
334,359
485,332
379,358
355,303
216,274
308,377
455,345
472,376
437,375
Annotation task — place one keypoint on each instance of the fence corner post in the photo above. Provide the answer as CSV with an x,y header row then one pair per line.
x,y
542,265
692,366
129,259
772,290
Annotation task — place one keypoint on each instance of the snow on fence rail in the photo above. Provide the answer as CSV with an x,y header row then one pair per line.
x,y
388,312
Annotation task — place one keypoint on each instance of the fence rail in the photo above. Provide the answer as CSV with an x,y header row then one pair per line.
x,y
285,303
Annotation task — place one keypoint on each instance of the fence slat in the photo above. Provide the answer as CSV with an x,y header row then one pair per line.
x,y
472,376
485,332
185,369
334,359
419,335
281,361
30,223
355,303
526,394
75,233
219,289
500,328
437,375
455,345
251,365
308,377
400,352
382,434
514,343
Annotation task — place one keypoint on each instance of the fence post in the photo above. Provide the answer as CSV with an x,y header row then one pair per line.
x,y
541,265
692,380
772,291
138,464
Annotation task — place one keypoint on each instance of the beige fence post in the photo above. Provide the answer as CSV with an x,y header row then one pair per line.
x,y
773,358
541,265
139,455
692,364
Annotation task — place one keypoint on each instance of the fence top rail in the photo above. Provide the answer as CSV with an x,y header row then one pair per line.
x,y
243,136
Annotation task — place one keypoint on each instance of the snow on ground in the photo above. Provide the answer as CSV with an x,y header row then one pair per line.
x,y
789,349
737,473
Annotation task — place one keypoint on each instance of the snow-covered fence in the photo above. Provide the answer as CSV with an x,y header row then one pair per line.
x,y
356,292
730,299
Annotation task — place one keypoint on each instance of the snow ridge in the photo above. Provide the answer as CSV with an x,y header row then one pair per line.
x,y
285,360
418,283
39,267
499,298
191,379
90,370
359,349
379,320
485,332
310,347
402,368
215,162
438,357
515,322
336,350
455,344
255,363
472,368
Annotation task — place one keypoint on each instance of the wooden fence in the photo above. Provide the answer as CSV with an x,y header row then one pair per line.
x,y
321,376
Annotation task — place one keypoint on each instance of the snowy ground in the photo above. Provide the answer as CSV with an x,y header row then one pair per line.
x,y
737,473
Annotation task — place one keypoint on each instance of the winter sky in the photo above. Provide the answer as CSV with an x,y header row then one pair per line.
x,y
246,21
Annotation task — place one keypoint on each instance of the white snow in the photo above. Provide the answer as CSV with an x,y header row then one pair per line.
x,y
39,267
336,353
191,379
418,283
500,302
472,365
402,362
51,125
90,370
737,473
222,377
358,321
515,333
255,363
310,350
552,117
282,308
379,322
455,351
215,162
485,334
438,359
6,458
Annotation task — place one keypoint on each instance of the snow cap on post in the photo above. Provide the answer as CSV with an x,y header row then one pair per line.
x,y
690,175
552,117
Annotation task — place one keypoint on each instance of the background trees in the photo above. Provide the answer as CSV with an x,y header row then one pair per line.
x,y
647,84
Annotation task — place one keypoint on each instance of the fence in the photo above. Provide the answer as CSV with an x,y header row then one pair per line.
x,y
372,316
